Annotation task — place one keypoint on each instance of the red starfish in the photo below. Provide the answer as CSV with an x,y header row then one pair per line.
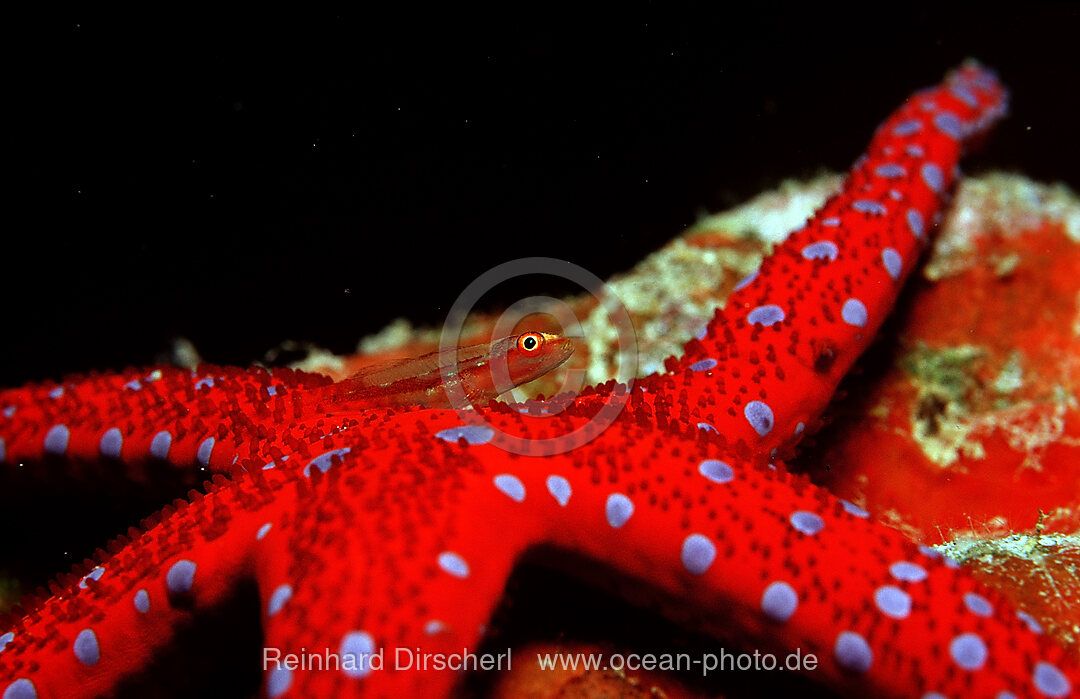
x,y
370,531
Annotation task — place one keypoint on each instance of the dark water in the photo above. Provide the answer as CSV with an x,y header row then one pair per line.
x,y
241,181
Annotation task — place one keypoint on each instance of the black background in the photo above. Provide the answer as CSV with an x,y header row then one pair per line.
x,y
244,180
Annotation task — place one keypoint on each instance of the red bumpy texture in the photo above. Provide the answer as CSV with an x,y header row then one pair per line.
x,y
376,530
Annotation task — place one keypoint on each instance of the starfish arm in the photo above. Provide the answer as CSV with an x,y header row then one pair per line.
x,y
772,358
401,588
98,630
142,423
760,556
